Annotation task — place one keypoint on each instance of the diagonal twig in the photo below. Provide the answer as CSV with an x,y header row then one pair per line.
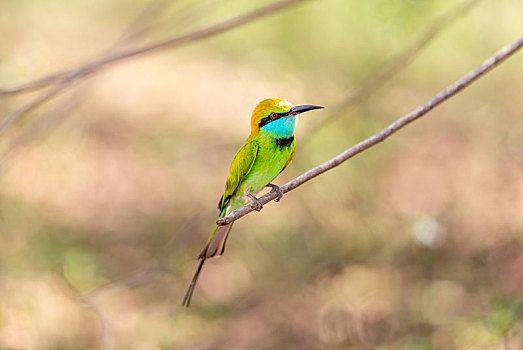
x,y
396,64
142,24
37,102
444,95
96,65
89,302
42,125
63,80
136,29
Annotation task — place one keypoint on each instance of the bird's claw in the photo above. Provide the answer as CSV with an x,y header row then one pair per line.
x,y
278,190
256,204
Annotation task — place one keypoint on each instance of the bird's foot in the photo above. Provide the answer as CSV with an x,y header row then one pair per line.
x,y
277,189
256,204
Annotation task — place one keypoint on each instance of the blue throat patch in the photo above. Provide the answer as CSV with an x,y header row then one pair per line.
x,y
283,127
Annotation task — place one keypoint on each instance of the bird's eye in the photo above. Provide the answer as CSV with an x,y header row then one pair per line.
x,y
272,115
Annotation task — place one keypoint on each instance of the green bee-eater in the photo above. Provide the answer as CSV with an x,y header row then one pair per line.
x,y
266,152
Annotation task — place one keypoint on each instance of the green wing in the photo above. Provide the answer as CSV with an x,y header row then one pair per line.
x,y
240,167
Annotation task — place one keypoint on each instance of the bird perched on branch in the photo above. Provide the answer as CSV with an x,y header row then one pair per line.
x,y
265,154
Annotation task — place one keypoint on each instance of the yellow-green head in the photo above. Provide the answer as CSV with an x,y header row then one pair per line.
x,y
277,117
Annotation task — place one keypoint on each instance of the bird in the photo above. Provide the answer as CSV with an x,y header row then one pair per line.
x,y
267,151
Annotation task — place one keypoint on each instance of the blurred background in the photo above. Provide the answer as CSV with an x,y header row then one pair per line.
x,y
109,191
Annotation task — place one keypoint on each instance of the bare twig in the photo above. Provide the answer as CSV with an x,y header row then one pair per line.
x,y
135,279
87,301
142,24
66,78
43,125
108,339
138,28
444,95
44,97
393,66
96,65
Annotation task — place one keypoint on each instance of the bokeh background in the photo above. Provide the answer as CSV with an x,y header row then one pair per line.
x,y
109,191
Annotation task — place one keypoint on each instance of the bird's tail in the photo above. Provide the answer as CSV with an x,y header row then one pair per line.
x,y
216,243
215,247
188,295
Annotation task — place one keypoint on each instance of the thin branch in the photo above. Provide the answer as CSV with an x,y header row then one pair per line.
x,y
88,302
66,78
139,27
137,278
34,84
37,102
43,124
108,339
393,66
142,24
444,95
96,65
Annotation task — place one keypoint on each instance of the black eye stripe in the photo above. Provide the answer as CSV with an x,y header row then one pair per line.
x,y
268,119
265,121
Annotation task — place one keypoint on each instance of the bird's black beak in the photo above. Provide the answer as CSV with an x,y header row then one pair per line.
x,y
304,108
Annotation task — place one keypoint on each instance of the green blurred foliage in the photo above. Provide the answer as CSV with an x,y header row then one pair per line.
x,y
414,244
